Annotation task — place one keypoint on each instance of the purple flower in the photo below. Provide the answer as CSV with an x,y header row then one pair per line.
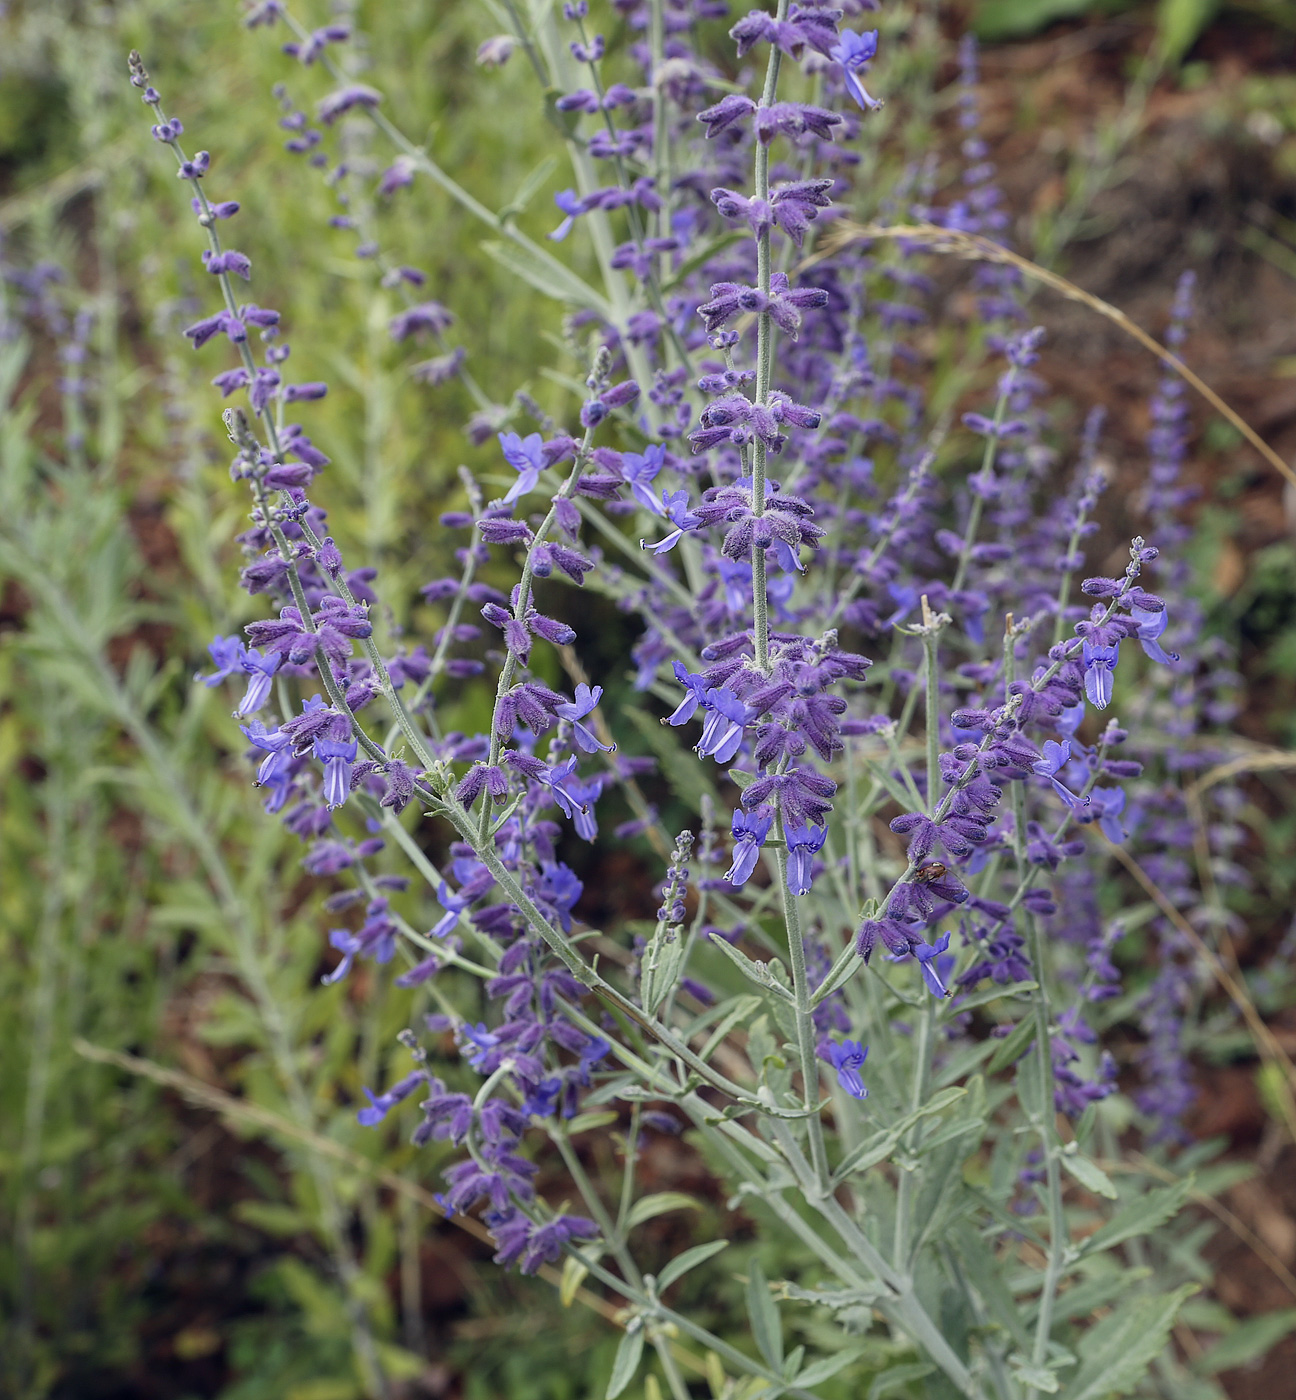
x,y
675,509
794,119
722,731
847,1058
695,689
337,103
337,758
232,380
202,331
584,796
231,260
803,843
559,778
496,51
854,52
560,888
227,655
573,207
481,1040
932,965
1099,666
640,469
381,1105
1107,805
726,112
885,931
797,205
428,316
297,393
453,906
802,793
260,671
525,457
1056,757
274,744
444,1115
546,1242
749,832
784,303
196,168
316,42
585,703
1150,627
376,938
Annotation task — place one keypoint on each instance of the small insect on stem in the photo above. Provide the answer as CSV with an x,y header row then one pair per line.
x,y
925,874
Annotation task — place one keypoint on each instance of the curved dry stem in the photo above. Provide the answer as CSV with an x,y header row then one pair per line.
x,y
1248,763
1139,1163
1266,1043
974,247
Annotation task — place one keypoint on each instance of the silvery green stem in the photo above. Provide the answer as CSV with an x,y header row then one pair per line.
x,y
614,1234
917,478
921,1070
655,1308
506,228
1064,589
1047,1126
764,361
582,971
931,688
987,466
457,604
651,282
804,1018
509,669
726,1137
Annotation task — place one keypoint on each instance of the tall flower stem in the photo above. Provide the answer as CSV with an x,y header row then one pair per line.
x,y
1044,1115
614,1237
510,667
764,358
208,221
988,455
804,1015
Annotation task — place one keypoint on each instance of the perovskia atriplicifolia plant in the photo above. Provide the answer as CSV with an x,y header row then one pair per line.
x,y
875,992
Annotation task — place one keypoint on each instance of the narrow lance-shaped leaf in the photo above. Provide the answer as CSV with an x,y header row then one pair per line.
x,y
626,1362
690,1259
1118,1350
1140,1217
767,1330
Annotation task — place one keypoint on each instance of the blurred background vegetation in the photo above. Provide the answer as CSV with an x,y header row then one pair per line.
x,y
158,1243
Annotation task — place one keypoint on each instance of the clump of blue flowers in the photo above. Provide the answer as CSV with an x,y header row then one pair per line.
x,y
857,619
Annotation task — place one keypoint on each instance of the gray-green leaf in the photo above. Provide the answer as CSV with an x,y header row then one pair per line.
x,y
1140,1217
1119,1349
1089,1174
546,274
763,1311
690,1259
1247,1342
626,1363
754,971
828,1366
649,1207
1012,1047
897,1377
